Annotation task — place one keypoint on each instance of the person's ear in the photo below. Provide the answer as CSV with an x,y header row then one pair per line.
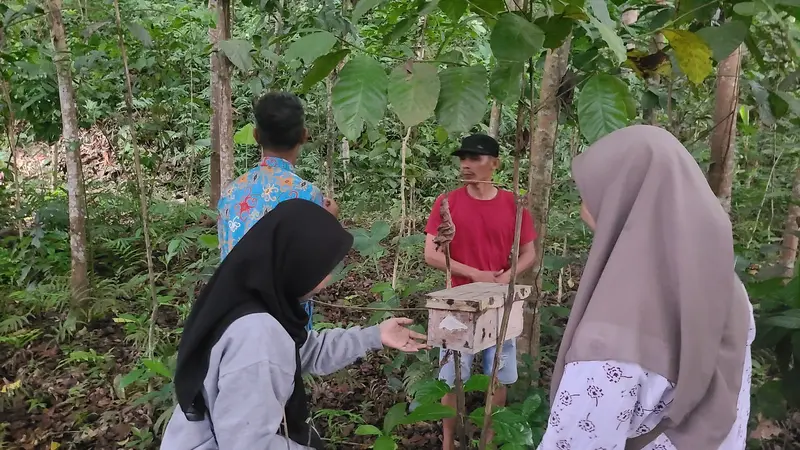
x,y
304,139
255,133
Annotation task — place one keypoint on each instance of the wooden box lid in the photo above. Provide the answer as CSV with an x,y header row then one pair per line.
x,y
474,296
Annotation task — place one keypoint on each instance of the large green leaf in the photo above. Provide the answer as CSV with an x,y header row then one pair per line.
x,y
141,33
453,9
515,39
555,29
322,67
245,135
600,11
692,53
506,81
384,443
368,430
359,95
487,9
394,417
462,98
362,7
429,413
413,92
725,38
479,383
603,106
238,52
431,390
311,46
613,40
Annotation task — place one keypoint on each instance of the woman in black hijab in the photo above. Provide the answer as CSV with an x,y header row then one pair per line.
x,y
245,347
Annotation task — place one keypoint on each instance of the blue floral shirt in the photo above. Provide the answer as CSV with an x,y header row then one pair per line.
x,y
246,199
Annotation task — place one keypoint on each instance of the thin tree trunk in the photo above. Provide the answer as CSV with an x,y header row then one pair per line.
x,y
654,81
494,119
79,280
137,167
226,159
723,137
330,144
213,37
791,233
540,177
11,130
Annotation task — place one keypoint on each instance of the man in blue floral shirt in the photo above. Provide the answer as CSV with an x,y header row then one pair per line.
x,y
280,131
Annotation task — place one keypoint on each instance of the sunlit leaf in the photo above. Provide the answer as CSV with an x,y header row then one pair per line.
x,y
613,40
413,92
368,430
724,39
311,46
157,367
599,10
692,53
322,67
462,98
384,443
515,39
238,52
359,95
245,135
603,106
479,383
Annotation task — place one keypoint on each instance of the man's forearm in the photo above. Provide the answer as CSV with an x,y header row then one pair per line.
x,y
525,261
458,269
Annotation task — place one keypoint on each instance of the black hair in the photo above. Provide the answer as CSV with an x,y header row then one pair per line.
x,y
280,121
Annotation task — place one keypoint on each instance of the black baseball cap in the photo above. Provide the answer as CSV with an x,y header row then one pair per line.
x,y
478,144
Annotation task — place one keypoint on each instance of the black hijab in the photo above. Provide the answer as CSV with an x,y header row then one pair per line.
x,y
283,257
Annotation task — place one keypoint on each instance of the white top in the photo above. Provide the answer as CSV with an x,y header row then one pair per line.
x,y
602,404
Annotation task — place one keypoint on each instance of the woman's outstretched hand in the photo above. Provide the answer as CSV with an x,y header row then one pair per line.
x,y
394,334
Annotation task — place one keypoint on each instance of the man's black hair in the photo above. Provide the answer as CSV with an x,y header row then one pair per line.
x,y
280,121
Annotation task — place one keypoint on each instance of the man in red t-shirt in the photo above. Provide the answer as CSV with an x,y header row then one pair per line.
x,y
484,218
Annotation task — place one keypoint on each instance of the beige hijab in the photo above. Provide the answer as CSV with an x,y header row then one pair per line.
x,y
659,288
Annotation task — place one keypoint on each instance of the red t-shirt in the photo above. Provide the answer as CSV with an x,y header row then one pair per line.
x,y
484,230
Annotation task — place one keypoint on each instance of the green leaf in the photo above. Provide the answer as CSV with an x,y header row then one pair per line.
x,y
462,98
322,67
430,412
394,417
362,7
692,53
400,28
791,101
453,9
746,9
380,230
778,105
157,367
384,443
209,240
368,430
725,38
359,95
689,10
245,135
487,9
413,92
613,40
600,11
479,383
430,391
311,46
602,106
555,29
506,81
132,377
531,405
784,321
515,39
238,52
140,33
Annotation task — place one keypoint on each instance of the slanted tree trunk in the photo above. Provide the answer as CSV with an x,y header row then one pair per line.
x,y
791,233
79,280
723,137
540,178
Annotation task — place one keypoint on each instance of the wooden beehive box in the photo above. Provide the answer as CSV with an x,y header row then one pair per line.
x,y
467,318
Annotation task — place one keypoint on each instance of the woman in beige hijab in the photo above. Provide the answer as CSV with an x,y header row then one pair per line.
x,y
656,353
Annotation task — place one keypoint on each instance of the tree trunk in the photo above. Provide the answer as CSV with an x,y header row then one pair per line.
x,y
723,150
791,233
79,281
225,118
213,37
654,81
539,180
11,131
494,119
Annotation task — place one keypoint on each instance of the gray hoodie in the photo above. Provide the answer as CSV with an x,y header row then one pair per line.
x,y
250,378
